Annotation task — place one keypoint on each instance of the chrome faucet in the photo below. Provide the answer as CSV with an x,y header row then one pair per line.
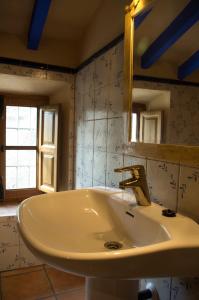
x,y
137,183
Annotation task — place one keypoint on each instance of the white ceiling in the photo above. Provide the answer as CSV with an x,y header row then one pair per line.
x,y
146,95
66,19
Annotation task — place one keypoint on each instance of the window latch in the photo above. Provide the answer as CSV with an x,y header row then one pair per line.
x,y
2,148
1,189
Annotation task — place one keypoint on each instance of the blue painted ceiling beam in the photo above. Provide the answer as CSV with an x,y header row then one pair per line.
x,y
189,66
184,21
39,16
140,18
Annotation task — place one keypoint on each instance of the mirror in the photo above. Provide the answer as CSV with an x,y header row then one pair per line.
x,y
162,108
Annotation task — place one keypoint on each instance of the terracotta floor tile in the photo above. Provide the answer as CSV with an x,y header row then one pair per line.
x,y
21,271
26,286
72,295
62,281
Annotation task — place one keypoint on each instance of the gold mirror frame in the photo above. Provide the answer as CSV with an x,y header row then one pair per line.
x,y
188,155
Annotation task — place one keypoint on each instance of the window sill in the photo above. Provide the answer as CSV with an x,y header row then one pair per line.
x,y
20,194
8,210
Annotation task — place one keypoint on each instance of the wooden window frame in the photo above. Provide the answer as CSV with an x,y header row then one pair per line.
x,y
17,195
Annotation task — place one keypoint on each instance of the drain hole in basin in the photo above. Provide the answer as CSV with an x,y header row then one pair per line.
x,y
112,245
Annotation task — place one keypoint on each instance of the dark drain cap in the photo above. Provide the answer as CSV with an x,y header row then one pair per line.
x,y
169,213
113,245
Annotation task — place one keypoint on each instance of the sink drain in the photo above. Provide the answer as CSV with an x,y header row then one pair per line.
x,y
112,245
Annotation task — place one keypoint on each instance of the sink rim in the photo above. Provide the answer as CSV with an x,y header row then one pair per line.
x,y
175,242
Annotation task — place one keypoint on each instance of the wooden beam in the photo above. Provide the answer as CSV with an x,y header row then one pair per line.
x,y
189,66
39,16
183,22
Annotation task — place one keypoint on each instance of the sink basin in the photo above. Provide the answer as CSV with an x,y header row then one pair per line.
x,y
102,233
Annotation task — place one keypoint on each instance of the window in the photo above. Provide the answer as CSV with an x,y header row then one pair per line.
x,y
21,147
28,147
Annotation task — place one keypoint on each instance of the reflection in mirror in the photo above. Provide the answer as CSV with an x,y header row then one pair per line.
x,y
165,114
150,113
165,97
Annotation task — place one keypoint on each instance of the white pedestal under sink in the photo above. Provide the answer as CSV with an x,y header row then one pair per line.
x,y
75,231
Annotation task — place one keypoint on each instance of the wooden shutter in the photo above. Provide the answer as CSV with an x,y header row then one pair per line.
x,y
48,148
151,127
2,148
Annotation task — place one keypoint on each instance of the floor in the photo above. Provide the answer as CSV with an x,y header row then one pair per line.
x,y
40,282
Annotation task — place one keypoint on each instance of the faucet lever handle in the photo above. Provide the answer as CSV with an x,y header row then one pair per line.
x,y
129,168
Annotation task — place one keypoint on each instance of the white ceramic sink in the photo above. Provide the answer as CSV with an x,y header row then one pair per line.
x,y
69,229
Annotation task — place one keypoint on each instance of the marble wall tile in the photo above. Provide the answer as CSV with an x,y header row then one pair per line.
x,y
113,161
89,134
188,202
185,289
100,135
79,107
87,181
132,160
9,233
116,62
115,105
87,165
162,285
26,258
99,167
88,78
89,106
79,82
79,166
115,135
80,133
163,181
101,102
162,177
9,258
102,70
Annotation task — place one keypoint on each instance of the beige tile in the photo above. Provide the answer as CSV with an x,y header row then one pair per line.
x,y
99,168
112,178
185,289
27,286
115,135
100,135
188,203
162,180
72,295
9,257
133,160
162,285
27,258
62,281
101,102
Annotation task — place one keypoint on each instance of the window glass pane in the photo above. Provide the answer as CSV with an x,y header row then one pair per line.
x,y
134,128
21,126
20,169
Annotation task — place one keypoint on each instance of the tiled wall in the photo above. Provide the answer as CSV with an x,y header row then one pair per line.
x,y
99,140
65,98
183,118
13,252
